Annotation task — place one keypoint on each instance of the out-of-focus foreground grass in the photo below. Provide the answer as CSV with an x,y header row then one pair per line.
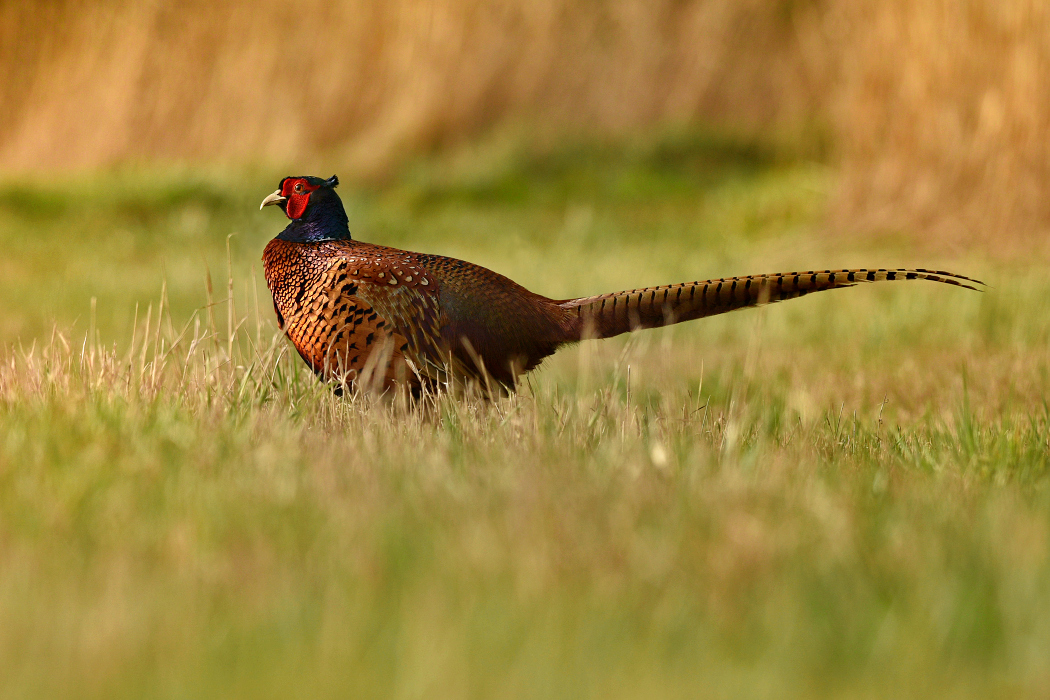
x,y
844,495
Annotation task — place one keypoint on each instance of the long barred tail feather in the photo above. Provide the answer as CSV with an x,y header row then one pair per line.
x,y
606,315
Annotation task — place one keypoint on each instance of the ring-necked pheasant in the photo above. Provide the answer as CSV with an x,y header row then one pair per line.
x,y
358,311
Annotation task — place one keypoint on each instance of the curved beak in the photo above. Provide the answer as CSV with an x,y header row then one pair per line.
x,y
275,198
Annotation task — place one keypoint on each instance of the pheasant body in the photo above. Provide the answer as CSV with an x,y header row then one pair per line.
x,y
341,301
355,310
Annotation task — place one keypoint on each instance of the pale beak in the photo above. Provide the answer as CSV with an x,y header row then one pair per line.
x,y
275,198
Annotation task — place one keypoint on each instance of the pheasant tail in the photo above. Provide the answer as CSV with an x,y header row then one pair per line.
x,y
606,315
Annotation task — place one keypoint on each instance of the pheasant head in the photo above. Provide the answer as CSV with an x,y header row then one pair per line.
x,y
315,210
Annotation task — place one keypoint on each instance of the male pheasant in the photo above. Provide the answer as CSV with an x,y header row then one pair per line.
x,y
362,312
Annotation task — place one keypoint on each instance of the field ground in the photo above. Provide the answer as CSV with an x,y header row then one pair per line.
x,y
842,496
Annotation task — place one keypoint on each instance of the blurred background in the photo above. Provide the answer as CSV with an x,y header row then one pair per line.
x,y
818,499
932,113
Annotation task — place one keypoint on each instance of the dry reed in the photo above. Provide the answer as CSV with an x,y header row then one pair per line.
x,y
933,108
87,84
942,121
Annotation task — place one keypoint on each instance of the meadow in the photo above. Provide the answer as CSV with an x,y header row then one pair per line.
x,y
839,496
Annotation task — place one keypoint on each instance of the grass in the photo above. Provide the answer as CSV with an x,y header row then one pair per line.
x,y
840,496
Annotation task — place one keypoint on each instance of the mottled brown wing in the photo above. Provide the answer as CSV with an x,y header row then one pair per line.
x,y
342,337
406,296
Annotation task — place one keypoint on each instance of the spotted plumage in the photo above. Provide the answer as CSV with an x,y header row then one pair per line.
x,y
358,312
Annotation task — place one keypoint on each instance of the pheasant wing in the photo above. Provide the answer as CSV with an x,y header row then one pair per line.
x,y
406,296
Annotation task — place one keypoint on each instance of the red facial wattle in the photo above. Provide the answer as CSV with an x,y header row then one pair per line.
x,y
297,191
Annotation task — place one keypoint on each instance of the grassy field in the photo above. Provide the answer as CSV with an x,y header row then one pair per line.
x,y
839,496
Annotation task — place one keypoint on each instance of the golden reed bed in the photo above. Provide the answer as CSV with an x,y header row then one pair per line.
x,y
931,109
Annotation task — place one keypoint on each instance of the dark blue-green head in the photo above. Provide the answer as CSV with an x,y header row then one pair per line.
x,y
315,209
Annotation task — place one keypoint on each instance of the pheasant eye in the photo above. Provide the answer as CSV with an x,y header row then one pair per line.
x,y
298,188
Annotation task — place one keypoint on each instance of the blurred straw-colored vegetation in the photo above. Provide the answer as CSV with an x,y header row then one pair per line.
x,y
932,110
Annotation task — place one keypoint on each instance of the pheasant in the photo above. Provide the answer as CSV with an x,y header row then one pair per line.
x,y
359,312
